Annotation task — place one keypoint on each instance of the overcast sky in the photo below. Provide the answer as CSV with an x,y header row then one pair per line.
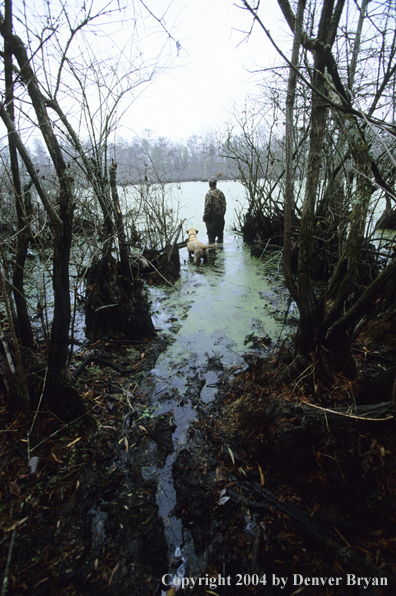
x,y
214,62
209,75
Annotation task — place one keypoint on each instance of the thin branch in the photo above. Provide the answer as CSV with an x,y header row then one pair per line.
x,y
313,44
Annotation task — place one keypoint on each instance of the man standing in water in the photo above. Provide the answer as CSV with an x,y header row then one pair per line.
x,y
215,208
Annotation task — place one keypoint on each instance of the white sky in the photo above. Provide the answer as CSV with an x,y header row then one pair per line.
x,y
208,78
198,95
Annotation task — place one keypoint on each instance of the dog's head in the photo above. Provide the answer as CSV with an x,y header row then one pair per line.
x,y
192,231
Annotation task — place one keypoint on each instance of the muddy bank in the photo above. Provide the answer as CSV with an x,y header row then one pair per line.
x,y
83,519
287,491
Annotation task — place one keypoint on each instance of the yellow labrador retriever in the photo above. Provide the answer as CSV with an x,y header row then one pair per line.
x,y
197,248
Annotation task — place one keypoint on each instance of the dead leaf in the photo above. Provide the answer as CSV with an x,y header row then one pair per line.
x,y
33,463
14,525
41,582
223,500
14,489
113,572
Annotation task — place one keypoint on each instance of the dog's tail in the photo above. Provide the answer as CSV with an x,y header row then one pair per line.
x,y
211,245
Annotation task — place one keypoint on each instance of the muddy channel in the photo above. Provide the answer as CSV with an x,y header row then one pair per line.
x,y
219,317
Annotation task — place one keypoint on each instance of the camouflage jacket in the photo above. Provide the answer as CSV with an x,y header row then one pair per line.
x,y
215,204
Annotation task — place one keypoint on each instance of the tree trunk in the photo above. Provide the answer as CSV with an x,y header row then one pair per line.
x,y
289,191
58,354
306,300
18,391
24,327
119,224
387,221
363,305
321,48
344,277
115,303
64,401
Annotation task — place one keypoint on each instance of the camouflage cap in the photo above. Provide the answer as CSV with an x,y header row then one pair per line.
x,y
212,181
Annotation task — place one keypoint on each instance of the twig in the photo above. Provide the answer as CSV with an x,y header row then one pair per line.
x,y
303,376
36,413
7,567
306,403
159,273
17,372
316,531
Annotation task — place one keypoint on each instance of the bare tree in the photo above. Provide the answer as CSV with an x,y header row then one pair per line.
x,y
352,113
60,397
255,153
40,99
25,329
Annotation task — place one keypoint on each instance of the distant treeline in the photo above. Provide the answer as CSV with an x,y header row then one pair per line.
x,y
163,160
156,159
149,160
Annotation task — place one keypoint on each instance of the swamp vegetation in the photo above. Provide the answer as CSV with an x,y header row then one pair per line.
x,y
236,417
